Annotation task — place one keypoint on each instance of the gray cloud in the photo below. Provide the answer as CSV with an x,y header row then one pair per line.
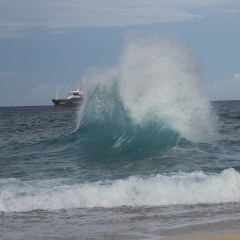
x,y
11,75
226,89
17,15
47,91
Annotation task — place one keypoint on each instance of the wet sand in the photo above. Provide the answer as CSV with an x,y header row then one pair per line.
x,y
224,230
233,236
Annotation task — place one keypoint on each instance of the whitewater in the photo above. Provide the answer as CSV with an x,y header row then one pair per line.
x,y
146,154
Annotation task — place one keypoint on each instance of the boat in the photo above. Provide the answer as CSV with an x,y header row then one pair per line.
x,y
75,99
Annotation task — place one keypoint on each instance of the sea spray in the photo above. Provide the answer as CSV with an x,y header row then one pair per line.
x,y
159,80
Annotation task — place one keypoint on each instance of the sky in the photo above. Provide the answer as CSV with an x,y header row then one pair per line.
x,y
50,45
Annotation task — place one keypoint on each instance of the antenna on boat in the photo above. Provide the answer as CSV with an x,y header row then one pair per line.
x,y
56,94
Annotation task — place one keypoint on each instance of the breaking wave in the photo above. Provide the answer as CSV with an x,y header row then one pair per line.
x,y
148,103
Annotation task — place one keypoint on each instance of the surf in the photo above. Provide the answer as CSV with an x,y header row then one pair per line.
x,y
135,191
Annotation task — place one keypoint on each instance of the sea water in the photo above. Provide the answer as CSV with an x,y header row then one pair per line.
x,y
146,153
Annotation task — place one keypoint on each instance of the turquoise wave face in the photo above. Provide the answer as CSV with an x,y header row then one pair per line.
x,y
108,130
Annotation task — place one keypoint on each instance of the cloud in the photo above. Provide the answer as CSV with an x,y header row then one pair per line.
x,y
230,11
12,75
226,90
60,32
18,15
12,30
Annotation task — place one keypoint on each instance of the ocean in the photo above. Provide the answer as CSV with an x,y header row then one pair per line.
x,y
146,155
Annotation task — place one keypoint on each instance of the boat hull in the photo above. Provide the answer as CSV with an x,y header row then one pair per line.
x,y
67,102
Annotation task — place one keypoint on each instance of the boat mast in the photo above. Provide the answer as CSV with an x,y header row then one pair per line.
x,y
56,95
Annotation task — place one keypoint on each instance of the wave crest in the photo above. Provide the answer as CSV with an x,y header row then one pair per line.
x,y
148,102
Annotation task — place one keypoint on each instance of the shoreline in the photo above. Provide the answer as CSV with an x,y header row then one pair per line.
x,y
229,236
222,230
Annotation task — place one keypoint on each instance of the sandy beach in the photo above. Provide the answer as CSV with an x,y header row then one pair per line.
x,y
223,230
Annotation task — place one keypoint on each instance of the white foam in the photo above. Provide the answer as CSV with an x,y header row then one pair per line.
x,y
179,188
